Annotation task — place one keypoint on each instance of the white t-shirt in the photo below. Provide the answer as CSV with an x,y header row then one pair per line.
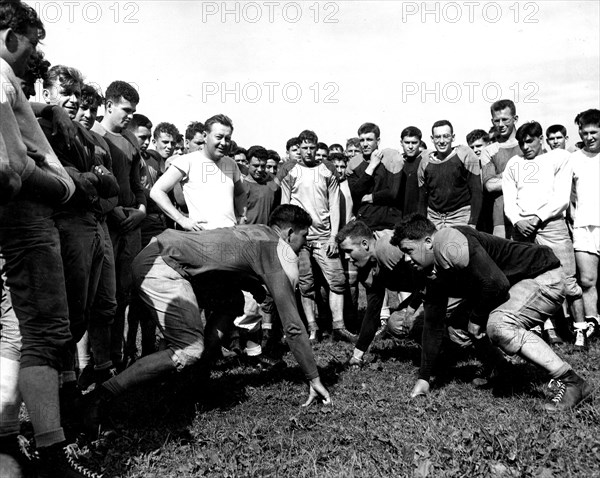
x,y
585,205
208,188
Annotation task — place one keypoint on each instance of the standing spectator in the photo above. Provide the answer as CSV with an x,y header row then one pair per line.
x,y
585,212
104,307
194,137
536,210
31,266
212,183
273,160
292,148
411,198
450,176
478,140
556,136
352,147
494,158
125,219
315,188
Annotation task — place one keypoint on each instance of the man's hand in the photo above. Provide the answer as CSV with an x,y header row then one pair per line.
x,y
331,248
317,390
421,388
355,362
119,214
367,198
376,157
525,228
61,122
189,225
91,177
535,222
475,330
133,220
34,153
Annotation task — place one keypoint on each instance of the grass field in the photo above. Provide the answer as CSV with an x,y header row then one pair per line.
x,y
250,423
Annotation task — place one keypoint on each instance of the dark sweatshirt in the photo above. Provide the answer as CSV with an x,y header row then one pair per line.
x,y
250,252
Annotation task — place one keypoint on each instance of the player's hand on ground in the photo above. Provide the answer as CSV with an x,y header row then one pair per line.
x,y
421,388
355,363
475,330
316,390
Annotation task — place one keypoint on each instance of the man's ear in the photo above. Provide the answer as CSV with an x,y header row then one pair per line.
x,y
287,233
10,39
516,118
429,242
365,244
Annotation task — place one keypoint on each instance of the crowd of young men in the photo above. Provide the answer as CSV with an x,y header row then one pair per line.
x,y
111,223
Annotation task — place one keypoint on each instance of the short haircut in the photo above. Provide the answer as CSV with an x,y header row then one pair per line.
x,y
218,119
167,128
90,97
369,128
502,104
291,142
556,128
353,142
288,215
411,132
139,120
588,117
66,76
440,123
323,146
121,89
239,150
193,128
336,145
338,157
257,152
413,228
356,231
308,136
533,129
478,134
19,17
274,155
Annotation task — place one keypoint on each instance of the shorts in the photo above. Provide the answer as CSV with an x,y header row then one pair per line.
x,y
587,239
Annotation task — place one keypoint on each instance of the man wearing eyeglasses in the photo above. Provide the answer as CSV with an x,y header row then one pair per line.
x,y
451,179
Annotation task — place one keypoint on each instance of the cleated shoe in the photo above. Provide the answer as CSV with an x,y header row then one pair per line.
x,y
571,389
62,461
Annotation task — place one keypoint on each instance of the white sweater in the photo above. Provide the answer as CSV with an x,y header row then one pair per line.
x,y
537,187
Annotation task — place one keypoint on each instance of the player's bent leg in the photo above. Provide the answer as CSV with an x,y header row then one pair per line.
x,y
531,302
